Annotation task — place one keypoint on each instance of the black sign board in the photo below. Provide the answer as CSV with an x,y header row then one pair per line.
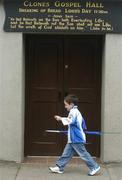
x,y
63,16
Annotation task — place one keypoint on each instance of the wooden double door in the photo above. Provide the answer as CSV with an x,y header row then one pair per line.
x,y
56,66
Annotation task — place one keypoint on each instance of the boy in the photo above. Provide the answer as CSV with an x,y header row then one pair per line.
x,y
76,138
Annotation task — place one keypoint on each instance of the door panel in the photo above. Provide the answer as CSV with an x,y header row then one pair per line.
x,y
83,79
44,81
56,66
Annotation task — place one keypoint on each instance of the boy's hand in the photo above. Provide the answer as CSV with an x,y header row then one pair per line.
x,y
58,118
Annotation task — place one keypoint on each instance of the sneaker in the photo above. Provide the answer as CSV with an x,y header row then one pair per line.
x,y
94,171
55,170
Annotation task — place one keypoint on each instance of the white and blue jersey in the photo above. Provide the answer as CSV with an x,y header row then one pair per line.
x,y
76,126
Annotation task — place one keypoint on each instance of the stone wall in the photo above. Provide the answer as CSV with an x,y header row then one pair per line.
x,y
11,94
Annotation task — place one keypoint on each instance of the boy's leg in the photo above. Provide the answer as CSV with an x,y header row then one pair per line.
x,y
65,157
84,155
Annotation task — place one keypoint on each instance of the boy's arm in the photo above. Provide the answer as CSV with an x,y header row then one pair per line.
x,y
64,120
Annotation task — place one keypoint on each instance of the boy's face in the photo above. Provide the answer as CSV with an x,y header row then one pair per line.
x,y
68,106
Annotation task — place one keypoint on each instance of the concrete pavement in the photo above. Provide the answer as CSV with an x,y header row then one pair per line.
x,y
39,171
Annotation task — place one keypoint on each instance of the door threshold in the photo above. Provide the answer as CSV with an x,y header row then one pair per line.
x,y
48,160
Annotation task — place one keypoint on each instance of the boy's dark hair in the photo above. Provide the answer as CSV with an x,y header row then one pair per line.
x,y
71,98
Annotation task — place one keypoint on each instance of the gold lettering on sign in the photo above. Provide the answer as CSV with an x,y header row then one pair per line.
x,y
53,10
86,11
67,4
94,5
36,4
74,11
61,15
